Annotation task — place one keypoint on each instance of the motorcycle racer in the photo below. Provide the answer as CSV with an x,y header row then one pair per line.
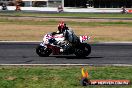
x,y
61,31
65,42
62,27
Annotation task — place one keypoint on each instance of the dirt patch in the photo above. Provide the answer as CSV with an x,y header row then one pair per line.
x,y
16,32
10,78
23,32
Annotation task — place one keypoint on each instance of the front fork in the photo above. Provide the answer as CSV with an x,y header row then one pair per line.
x,y
42,44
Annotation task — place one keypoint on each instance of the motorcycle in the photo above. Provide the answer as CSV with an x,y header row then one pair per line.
x,y
64,44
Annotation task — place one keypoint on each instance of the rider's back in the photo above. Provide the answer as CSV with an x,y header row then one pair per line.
x,y
71,37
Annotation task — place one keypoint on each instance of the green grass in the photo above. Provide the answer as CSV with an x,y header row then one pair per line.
x,y
59,77
88,15
54,22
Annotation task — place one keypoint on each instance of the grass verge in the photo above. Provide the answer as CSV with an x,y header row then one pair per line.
x,y
83,15
54,22
59,77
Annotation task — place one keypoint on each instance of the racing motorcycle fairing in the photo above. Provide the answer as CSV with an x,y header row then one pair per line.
x,y
55,49
65,43
57,38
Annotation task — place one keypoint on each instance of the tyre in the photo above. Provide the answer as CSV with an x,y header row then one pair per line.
x,y
79,53
83,50
43,52
87,49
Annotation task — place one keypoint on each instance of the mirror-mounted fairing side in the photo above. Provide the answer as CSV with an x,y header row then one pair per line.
x,y
46,38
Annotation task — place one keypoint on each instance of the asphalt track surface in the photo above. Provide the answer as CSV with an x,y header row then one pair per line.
x,y
24,53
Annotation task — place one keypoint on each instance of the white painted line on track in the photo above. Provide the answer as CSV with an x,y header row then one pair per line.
x,y
65,64
114,42
123,42
19,41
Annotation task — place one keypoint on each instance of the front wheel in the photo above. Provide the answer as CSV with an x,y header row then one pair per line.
x,y
43,52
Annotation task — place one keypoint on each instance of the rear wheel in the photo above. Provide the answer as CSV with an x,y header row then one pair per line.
x,y
87,49
83,50
43,52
